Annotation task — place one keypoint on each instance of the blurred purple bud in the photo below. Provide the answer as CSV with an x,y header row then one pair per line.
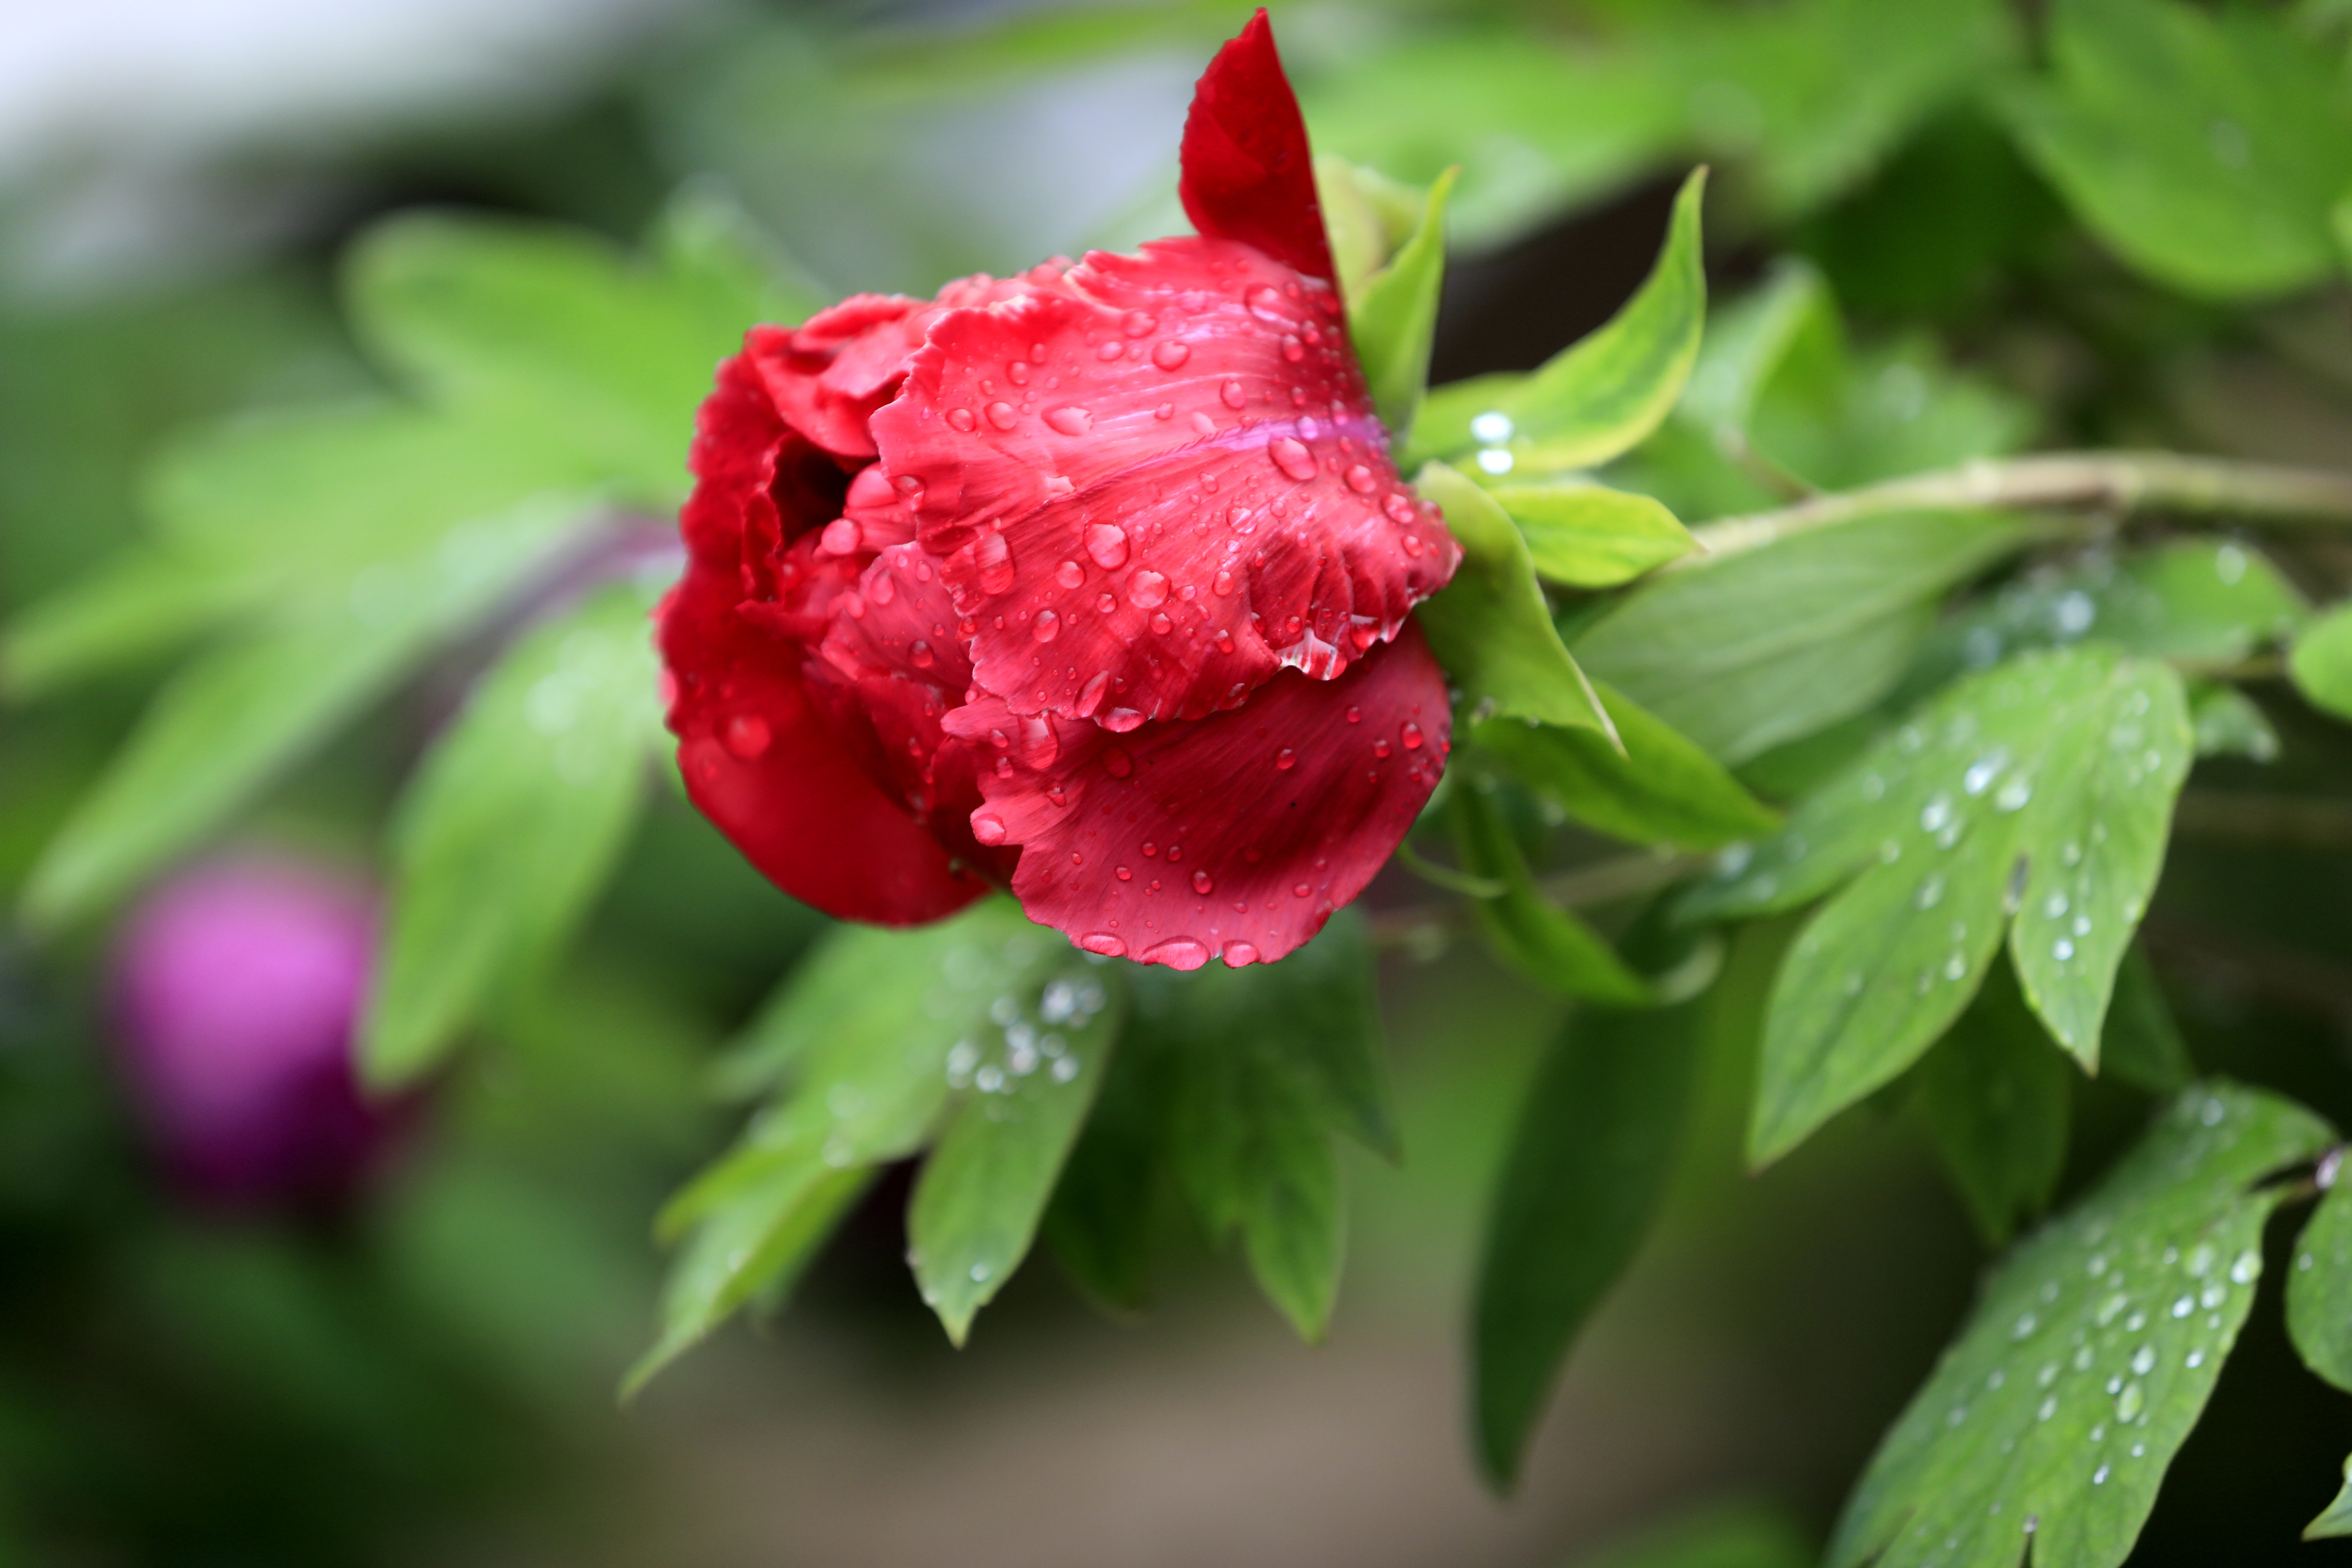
x,y
237,987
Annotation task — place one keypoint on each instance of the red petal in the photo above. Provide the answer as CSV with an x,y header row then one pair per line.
x,y
1157,484
761,763
1235,835
1248,175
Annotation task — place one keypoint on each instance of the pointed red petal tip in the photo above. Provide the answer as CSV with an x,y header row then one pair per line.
x,y
1248,175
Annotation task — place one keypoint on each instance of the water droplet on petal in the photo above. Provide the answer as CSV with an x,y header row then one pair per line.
x,y
1239,954
1171,355
1201,884
1178,953
919,652
1103,942
1070,575
987,828
1117,761
1147,590
1223,585
961,419
1106,543
994,559
1354,714
1048,626
747,736
1360,480
1071,421
1264,302
1411,737
1291,456
1000,415
1232,394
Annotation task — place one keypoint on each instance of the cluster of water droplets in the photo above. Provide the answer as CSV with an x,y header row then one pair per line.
x,y
1026,1044
1492,430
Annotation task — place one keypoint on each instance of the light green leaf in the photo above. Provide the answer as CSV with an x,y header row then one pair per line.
x,y
1743,653
1491,627
2140,1044
985,1185
1995,1093
1393,316
1736,1536
1542,941
1660,789
1264,1064
545,327
2089,1357
1590,536
2066,763
2228,724
732,272
138,602
515,819
235,718
1600,395
2207,149
2319,1290
1596,1140
2321,662
1366,215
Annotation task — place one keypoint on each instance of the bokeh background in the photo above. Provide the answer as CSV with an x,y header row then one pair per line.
x,y
412,1359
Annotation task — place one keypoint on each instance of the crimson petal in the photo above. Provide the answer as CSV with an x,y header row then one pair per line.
x,y
1235,835
1157,484
1248,175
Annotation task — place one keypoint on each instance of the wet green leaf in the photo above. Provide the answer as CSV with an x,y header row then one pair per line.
x,y
1995,1093
1491,627
2206,148
982,1191
1598,396
2319,1289
2335,1518
2046,786
1590,536
1392,318
516,817
1660,789
1103,1222
1595,1142
2089,1357
1366,215
1743,653
1738,1536
2140,1044
1541,939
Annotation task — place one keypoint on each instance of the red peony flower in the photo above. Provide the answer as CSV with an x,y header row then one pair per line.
x,y
1096,582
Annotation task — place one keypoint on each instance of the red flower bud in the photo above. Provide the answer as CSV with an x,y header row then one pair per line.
x,y
236,987
1095,582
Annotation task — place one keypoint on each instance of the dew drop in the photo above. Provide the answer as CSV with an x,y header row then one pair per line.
x,y
1071,420
1411,737
1171,355
1118,761
747,736
1178,953
1223,585
1291,456
994,559
987,828
1201,883
1147,590
1286,759
1090,695
1106,543
1047,627
1239,954
1000,415
1103,942
961,419
1232,394
1492,426
1070,575
1360,480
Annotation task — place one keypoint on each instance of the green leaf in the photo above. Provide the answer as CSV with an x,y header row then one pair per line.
x,y
2335,1518
1542,941
1596,1141
1103,1220
1393,316
2140,1044
2196,601
1491,627
2319,1290
759,1242
2207,149
2089,1356
1749,1536
548,328
1995,1093
1367,216
1745,652
2066,763
2228,724
1600,395
2321,662
138,602
1264,1064
231,719
730,271
1590,536
1660,789
515,819
985,1186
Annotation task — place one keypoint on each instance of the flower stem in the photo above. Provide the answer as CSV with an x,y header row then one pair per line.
x,y
2121,482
